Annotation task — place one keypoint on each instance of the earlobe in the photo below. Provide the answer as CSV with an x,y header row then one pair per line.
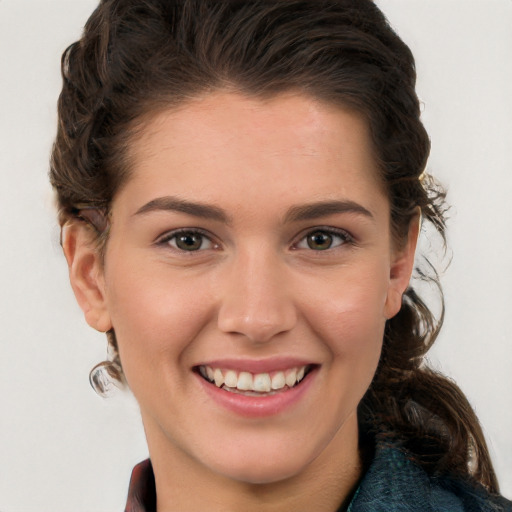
x,y
86,274
401,269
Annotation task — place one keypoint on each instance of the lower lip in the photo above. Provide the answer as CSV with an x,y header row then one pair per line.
x,y
256,406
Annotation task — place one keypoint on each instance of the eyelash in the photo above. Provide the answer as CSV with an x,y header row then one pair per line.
x,y
344,236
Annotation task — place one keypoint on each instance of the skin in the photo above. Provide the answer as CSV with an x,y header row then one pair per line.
x,y
255,290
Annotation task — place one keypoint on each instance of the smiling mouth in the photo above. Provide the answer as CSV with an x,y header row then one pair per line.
x,y
254,384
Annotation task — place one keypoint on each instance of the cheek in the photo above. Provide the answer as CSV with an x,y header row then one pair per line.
x,y
351,304
349,316
155,315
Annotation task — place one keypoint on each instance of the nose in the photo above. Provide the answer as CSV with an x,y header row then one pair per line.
x,y
256,300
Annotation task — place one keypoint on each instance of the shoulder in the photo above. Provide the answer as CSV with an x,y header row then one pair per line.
x,y
395,483
475,497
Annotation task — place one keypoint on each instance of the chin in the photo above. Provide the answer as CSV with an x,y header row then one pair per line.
x,y
264,472
264,463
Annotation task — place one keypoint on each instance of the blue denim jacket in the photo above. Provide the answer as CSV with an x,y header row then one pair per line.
x,y
393,483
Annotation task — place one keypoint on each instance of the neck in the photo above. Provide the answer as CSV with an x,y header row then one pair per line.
x,y
324,485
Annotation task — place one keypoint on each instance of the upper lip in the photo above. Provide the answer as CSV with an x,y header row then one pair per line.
x,y
258,365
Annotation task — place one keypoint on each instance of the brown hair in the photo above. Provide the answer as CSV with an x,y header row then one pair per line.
x,y
138,56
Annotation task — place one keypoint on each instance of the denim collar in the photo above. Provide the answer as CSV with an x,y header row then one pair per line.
x,y
395,483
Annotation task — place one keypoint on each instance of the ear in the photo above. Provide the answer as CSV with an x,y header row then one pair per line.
x,y
86,274
402,263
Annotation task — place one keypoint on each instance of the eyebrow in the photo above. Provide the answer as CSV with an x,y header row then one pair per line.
x,y
175,204
294,214
325,208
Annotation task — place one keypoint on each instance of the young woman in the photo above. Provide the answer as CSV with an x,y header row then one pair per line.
x,y
241,187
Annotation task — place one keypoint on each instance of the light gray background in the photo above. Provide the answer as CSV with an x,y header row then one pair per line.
x,y
61,447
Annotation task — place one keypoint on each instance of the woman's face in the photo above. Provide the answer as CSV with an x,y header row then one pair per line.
x,y
250,249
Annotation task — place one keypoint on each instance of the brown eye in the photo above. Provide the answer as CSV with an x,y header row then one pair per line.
x,y
322,239
188,241
319,240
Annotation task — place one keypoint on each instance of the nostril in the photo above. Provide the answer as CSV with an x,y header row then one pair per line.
x,y
257,326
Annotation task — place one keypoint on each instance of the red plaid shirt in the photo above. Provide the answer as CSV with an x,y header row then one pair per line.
x,y
142,491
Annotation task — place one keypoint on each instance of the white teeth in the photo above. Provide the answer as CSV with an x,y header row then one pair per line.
x,y
291,377
231,379
262,383
258,383
218,377
278,381
245,381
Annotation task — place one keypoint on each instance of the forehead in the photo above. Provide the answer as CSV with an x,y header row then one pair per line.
x,y
291,146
